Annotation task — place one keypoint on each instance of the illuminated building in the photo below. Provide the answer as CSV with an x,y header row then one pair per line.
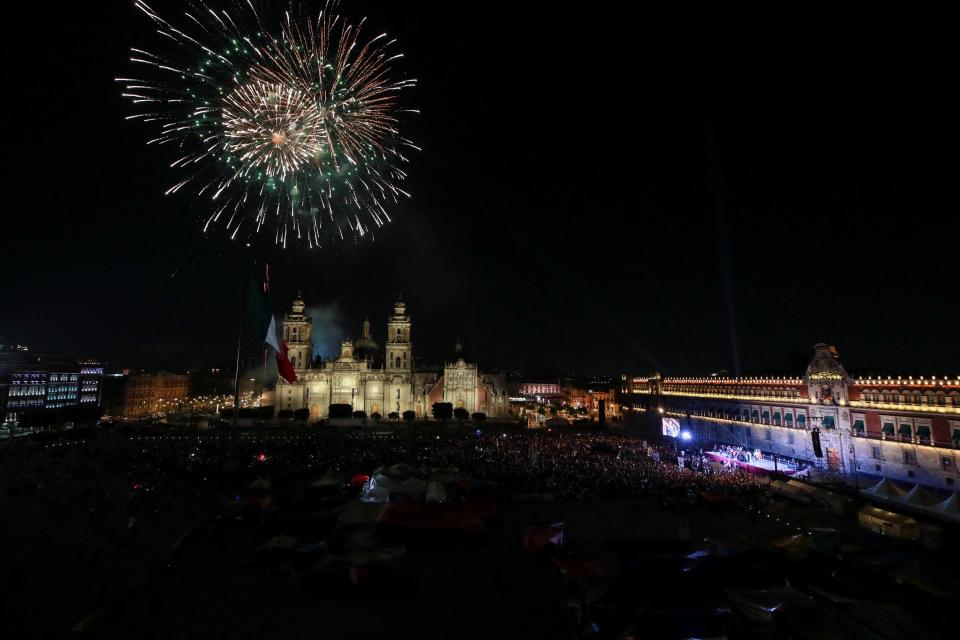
x,y
358,378
91,383
542,389
606,397
902,427
142,395
589,394
30,383
63,389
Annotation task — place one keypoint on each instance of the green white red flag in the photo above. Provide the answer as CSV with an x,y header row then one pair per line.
x,y
263,323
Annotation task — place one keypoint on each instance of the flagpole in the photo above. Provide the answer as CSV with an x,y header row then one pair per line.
x,y
236,377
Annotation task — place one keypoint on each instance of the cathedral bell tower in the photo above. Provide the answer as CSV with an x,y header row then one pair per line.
x,y
297,333
399,350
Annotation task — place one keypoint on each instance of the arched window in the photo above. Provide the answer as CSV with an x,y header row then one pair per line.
x,y
398,362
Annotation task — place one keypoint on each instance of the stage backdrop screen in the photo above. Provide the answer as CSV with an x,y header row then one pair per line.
x,y
671,427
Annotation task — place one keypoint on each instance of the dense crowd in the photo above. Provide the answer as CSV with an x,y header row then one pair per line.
x,y
153,474
85,512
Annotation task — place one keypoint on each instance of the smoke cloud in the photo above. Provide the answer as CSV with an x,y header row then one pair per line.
x,y
329,329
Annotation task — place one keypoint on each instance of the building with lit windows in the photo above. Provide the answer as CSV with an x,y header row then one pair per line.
x,y
381,380
590,394
143,395
91,383
63,389
542,389
29,382
901,427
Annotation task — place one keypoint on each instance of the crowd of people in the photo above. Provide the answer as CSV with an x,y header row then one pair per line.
x,y
148,475
90,509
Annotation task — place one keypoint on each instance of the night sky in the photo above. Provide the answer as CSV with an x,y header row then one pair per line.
x,y
598,192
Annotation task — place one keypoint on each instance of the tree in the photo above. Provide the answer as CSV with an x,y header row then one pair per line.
x,y
301,414
479,417
375,416
284,414
409,416
442,411
359,414
340,411
461,414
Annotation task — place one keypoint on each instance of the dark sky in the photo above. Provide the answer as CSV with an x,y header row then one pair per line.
x,y
599,191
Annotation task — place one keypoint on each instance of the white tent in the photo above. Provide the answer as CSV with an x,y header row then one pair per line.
x,y
896,525
446,475
381,487
378,488
949,507
330,479
402,469
259,484
885,490
436,492
412,486
918,497
760,605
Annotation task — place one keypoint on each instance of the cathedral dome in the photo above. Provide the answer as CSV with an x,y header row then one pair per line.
x,y
366,348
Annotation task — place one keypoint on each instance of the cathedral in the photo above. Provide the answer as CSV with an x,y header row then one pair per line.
x,y
360,378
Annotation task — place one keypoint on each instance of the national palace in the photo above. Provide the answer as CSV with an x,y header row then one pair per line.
x,y
902,427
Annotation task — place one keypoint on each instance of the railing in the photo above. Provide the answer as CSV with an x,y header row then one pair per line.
x,y
724,396
901,406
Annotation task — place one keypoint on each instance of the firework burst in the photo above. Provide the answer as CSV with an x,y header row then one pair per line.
x,y
271,128
291,126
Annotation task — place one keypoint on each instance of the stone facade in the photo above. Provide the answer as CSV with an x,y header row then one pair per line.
x,y
460,384
903,428
354,377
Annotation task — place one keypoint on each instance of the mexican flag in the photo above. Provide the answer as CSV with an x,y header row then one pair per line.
x,y
284,366
263,323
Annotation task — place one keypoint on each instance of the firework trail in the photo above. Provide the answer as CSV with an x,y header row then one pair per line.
x,y
289,125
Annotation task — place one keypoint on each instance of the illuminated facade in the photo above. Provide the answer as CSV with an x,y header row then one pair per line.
x,y
589,398
31,383
533,389
144,395
90,383
356,379
608,397
900,427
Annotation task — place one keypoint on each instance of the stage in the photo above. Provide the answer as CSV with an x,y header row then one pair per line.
x,y
758,467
